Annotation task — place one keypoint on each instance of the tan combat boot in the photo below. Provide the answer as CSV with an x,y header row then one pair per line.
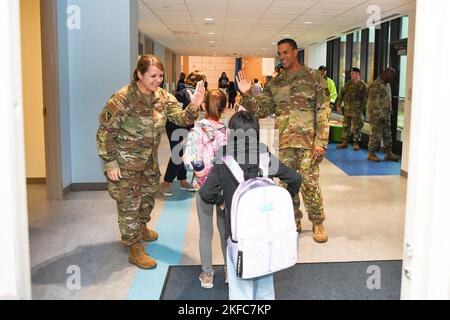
x,y
343,145
139,258
320,235
148,235
389,156
356,146
372,157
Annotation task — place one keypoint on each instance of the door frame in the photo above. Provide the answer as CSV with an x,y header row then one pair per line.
x,y
398,48
51,111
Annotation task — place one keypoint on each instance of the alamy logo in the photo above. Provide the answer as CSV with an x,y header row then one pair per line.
x,y
374,281
74,280
374,20
73,17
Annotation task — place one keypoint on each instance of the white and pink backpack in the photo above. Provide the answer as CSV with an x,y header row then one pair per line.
x,y
264,236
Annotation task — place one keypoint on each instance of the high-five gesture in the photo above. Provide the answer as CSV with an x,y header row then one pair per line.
x,y
198,96
243,84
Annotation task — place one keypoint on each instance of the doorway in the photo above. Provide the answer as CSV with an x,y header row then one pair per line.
x,y
33,105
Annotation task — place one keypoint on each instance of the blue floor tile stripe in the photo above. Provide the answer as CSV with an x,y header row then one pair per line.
x,y
168,250
356,163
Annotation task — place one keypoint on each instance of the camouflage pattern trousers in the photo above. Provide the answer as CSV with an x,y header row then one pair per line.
x,y
301,160
380,129
135,195
358,124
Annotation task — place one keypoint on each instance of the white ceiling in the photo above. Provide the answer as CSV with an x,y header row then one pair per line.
x,y
252,27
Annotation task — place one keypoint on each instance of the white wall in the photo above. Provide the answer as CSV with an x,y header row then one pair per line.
x,y
427,237
15,279
160,52
94,63
32,88
213,68
316,55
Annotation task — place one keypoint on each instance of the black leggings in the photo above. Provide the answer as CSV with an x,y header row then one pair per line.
x,y
173,170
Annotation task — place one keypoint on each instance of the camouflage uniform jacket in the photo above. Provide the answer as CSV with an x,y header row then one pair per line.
x,y
291,98
380,99
354,95
131,126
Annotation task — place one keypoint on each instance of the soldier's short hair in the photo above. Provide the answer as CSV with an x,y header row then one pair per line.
x,y
291,42
144,63
354,69
323,68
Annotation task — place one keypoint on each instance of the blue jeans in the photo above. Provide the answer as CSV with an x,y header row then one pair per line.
x,y
261,288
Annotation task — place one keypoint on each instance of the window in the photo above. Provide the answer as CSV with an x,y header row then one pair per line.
x,y
356,60
342,62
405,26
371,57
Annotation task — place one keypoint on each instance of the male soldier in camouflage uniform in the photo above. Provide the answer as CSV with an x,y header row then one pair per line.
x,y
354,96
299,98
380,110
131,125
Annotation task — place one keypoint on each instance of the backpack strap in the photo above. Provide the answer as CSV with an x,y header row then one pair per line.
x,y
238,173
235,168
264,164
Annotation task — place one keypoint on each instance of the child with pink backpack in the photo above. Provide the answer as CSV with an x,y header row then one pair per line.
x,y
208,136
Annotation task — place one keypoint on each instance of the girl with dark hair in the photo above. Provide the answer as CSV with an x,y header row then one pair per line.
x,y
243,144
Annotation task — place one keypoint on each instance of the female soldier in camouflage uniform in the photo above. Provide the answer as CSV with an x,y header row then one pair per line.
x,y
131,125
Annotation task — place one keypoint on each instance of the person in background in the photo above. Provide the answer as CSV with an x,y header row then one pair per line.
x,y
232,94
203,141
354,96
223,82
128,140
223,85
256,89
221,185
380,110
331,86
175,167
181,82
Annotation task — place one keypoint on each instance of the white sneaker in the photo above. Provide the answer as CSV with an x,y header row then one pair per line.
x,y
207,280
166,189
186,187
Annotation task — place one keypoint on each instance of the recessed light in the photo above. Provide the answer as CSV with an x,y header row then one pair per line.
x,y
211,33
212,41
209,19
286,35
274,43
264,49
307,22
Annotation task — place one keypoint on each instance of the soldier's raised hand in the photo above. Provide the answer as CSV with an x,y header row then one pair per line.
x,y
243,84
198,96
